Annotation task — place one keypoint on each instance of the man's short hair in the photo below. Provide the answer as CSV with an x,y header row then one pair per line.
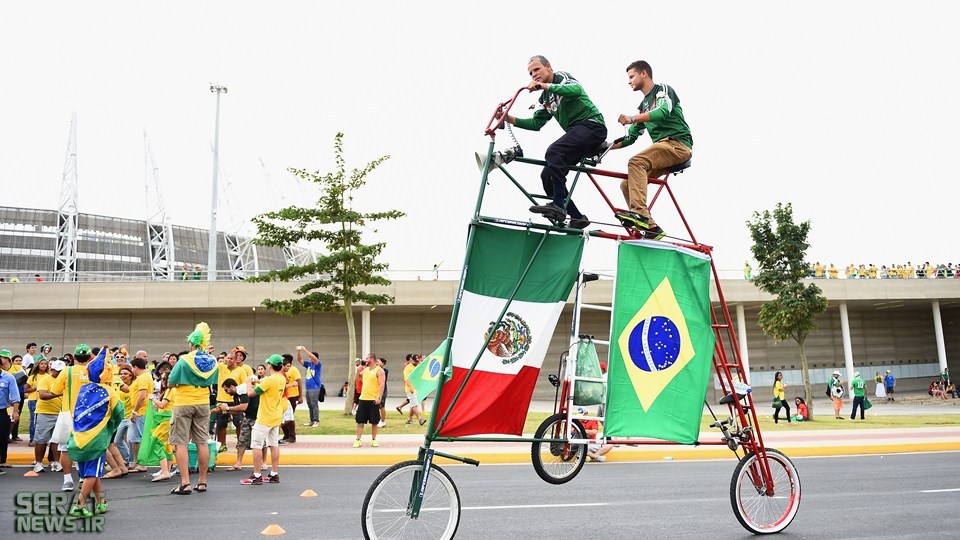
x,y
641,65
228,382
287,358
541,58
139,363
31,344
409,356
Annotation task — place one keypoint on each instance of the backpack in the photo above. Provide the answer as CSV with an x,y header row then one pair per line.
x,y
828,389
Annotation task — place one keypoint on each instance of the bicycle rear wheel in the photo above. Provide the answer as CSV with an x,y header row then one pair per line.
x,y
757,511
386,508
558,462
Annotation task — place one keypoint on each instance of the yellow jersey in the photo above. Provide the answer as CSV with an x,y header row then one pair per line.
x,y
238,374
271,409
33,380
371,384
407,370
47,406
293,375
143,382
70,389
187,394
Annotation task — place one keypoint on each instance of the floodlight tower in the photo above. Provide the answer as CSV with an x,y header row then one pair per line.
x,y
68,221
212,255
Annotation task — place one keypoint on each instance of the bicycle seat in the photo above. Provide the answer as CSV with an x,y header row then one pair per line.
x,y
727,399
680,167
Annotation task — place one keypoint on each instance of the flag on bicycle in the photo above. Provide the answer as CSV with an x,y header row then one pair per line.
x,y
497,394
425,378
662,343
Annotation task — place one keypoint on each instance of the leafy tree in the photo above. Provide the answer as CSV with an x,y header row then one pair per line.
x,y
336,280
779,247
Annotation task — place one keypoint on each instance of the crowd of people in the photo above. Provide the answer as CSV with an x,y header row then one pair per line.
x,y
98,410
870,271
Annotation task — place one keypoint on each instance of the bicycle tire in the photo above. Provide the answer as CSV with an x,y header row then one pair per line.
x,y
386,513
558,463
755,510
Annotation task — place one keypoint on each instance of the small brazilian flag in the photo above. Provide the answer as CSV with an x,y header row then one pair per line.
x,y
425,378
661,343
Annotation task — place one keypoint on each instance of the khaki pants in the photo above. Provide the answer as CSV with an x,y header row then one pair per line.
x,y
650,163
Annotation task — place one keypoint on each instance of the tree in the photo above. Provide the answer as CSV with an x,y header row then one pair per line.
x,y
779,247
337,277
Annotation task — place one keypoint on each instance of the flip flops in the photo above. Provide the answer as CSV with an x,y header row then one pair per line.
x,y
199,489
181,490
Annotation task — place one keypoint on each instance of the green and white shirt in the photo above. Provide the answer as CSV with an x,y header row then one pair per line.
x,y
666,118
564,99
859,387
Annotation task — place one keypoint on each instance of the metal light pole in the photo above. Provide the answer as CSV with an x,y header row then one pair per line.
x,y
212,250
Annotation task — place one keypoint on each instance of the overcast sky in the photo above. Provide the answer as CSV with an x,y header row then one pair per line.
x,y
846,109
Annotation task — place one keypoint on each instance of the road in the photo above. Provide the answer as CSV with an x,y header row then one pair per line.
x,y
843,497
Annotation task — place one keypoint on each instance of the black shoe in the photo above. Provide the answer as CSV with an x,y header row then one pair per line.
x,y
550,211
633,220
272,479
654,233
579,223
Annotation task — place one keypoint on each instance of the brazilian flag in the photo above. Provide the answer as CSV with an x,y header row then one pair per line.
x,y
661,343
195,369
97,414
156,438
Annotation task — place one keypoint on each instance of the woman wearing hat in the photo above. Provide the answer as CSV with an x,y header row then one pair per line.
x,y
880,392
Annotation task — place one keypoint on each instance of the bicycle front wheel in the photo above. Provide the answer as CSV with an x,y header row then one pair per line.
x,y
558,462
386,508
758,511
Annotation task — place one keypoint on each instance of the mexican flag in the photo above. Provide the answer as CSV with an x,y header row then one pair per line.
x,y
661,342
497,394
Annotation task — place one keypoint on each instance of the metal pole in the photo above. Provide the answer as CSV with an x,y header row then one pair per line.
x,y
212,244
938,332
845,333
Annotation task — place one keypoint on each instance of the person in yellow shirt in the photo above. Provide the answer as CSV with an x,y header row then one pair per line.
x,y
850,272
140,388
241,355
229,370
833,273
67,385
872,271
266,430
371,395
47,410
412,363
780,398
818,270
293,392
124,391
37,371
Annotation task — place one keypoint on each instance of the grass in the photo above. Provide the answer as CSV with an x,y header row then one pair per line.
x,y
336,423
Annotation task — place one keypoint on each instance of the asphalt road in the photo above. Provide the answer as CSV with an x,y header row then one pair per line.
x,y
843,497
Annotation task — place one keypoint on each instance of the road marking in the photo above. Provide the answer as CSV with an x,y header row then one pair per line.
x,y
939,490
519,506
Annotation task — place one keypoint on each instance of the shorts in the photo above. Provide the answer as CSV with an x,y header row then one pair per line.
x,y
92,469
189,424
368,412
243,436
135,434
356,397
889,389
412,398
43,431
224,419
264,436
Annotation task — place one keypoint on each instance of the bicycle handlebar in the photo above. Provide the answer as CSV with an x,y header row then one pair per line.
x,y
494,124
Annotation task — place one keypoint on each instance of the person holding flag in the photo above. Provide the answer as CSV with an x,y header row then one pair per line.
x,y
96,417
191,379
67,385
412,362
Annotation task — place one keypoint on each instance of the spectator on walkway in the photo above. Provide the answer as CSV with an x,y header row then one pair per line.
x,y
889,382
408,361
313,385
803,414
880,391
39,370
266,430
382,362
859,388
818,270
747,270
357,383
368,409
48,408
832,272
945,376
9,398
835,391
779,398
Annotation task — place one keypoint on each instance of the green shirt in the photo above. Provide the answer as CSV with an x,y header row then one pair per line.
x,y
564,99
859,385
666,118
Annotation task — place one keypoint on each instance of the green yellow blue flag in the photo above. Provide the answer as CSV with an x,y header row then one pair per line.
x,y
425,378
662,343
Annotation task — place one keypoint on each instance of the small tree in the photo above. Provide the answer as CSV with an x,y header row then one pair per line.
x,y
348,264
779,247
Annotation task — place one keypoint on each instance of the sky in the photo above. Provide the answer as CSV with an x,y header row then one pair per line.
x,y
844,109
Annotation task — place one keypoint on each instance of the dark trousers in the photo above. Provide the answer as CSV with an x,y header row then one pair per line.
x,y
857,402
5,431
581,140
776,412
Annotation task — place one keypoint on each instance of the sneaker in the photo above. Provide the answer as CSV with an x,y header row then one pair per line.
x,y
282,442
601,459
314,424
78,511
38,468
381,424
252,480
654,233
356,443
308,424
68,485
550,211
56,467
101,508
374,443
174,470
579,223
273,479
633,219
409,421
223,449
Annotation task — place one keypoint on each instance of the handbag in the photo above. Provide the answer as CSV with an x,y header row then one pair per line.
x,y
777,403
64,425
866,404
